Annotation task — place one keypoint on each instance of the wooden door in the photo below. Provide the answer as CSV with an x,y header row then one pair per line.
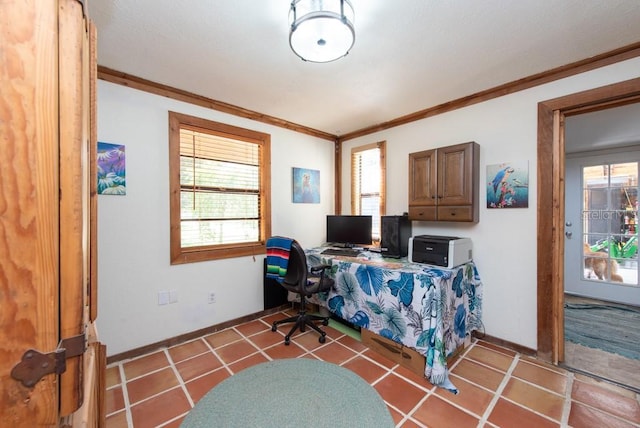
x,y
47,226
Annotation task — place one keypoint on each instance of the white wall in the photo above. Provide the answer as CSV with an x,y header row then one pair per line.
x,y
504,239
133,230
133,240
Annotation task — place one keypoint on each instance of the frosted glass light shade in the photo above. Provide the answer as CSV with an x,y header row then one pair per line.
x,y
321,30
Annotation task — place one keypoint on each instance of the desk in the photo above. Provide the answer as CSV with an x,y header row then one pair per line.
x,y
428,308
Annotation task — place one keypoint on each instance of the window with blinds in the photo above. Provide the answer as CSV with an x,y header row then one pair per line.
x,y
219,206
368,183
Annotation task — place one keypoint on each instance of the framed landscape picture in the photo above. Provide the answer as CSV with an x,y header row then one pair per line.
x,y
111,169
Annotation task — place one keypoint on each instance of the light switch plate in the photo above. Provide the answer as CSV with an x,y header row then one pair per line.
x,y
163,297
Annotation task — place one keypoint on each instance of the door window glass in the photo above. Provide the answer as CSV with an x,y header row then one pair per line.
x,y
610,220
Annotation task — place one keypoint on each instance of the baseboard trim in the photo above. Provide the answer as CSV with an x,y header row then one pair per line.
x,y
176,340
506,344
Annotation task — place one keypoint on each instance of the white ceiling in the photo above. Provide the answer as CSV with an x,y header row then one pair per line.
x,y
409,55
604,129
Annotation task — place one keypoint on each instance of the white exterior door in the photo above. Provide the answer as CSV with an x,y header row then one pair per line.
x,y
601,227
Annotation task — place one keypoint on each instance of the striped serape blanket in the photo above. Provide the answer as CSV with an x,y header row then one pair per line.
x,y
278,249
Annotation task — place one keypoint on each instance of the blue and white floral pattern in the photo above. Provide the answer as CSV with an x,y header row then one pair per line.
x,y
427,308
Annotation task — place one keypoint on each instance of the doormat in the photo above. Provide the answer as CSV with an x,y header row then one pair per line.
x,y
610,328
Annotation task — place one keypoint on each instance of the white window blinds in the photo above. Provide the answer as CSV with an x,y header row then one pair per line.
x,y
219,189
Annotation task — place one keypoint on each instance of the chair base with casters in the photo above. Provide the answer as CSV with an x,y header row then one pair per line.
x,y
302,320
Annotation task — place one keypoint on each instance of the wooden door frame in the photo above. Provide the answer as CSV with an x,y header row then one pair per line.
x,y
550,252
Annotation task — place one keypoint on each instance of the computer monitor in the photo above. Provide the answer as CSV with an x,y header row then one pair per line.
x,y
349,230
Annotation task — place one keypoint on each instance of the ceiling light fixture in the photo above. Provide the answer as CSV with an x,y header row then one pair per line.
x,y
321,30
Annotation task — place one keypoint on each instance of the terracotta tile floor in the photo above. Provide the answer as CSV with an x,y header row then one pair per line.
x,y
498,387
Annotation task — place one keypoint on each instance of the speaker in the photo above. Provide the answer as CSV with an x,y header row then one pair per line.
x,y
395,234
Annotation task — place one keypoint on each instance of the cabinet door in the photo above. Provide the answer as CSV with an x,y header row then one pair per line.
x,y
455,175
422,178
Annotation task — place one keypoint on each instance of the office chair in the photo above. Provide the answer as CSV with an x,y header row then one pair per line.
x,y
305,282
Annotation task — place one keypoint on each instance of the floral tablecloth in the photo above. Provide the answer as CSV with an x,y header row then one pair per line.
x,y
428,308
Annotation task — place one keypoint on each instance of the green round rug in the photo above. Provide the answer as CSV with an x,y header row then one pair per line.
x,y
297,392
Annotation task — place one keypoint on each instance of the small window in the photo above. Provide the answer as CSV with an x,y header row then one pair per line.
x,y
368,183
219,180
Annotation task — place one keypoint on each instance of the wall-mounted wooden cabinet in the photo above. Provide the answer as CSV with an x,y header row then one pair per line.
x,y
444,183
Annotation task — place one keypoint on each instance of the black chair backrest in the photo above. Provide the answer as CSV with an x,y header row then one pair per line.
x,y
297,267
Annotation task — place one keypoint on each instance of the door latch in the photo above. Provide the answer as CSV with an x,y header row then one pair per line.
x,y
35,364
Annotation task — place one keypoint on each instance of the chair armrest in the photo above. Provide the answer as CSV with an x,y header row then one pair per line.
x,y
320,277
319,268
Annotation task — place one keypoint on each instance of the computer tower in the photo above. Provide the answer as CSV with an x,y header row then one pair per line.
x,y
395,234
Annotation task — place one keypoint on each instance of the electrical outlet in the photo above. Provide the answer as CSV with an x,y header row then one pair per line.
x,y
163,297
212,297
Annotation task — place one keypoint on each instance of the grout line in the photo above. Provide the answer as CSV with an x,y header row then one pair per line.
x,y
181,382
498,392
426,389
603,411
125,396
459,406
404,418
539,386
190,357
536,412
419,403
535,385
148,373
224,363
151,397
351,358
566,409
170,421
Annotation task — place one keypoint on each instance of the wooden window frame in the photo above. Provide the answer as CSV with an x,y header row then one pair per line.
x,y
179,254
355,194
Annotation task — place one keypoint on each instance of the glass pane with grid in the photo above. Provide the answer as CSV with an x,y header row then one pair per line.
x,y
610,213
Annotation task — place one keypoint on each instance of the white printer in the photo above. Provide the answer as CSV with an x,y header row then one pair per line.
x,y
445,251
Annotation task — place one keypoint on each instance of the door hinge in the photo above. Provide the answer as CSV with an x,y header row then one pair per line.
x,y
34,364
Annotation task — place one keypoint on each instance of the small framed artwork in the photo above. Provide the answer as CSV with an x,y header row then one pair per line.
x,y
508,185
111,169
306,186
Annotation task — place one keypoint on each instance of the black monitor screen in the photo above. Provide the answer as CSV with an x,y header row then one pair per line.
x,y
349,230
